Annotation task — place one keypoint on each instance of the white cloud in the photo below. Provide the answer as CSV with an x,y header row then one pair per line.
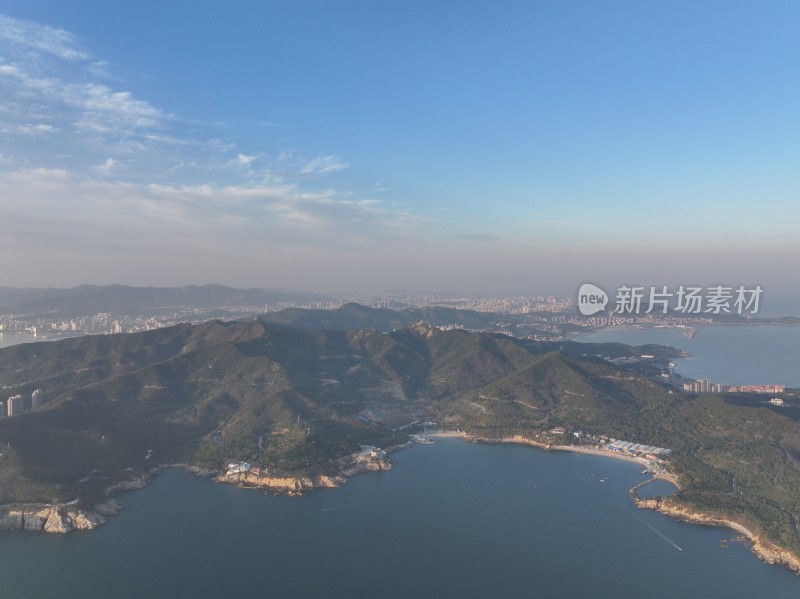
x,y
50,85
33,36
103,211
95,103
99,69
107,166
99,99
243,160
323,165
29,128
181,193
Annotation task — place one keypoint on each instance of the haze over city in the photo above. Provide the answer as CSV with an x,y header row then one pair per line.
x,y
359,145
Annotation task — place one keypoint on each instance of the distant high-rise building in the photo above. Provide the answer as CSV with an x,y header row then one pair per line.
x,y
36,399
14,406
701,386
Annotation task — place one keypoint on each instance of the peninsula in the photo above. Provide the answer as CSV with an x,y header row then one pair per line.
x,y
307,407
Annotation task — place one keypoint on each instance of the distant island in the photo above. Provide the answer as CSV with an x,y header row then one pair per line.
x,y
308,406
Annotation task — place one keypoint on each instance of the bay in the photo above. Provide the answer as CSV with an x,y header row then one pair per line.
x,y
452,519
727,354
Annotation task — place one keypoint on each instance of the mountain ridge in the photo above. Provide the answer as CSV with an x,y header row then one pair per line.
x,y
294,401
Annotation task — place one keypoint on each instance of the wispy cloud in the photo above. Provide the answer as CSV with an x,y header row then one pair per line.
x,y
50,85
243,160
290,164
225,214
29,128
97,105
323,165
100,69
107,166
31,35
89,168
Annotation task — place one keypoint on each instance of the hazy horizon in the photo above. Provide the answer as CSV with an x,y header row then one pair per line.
x,y
367,146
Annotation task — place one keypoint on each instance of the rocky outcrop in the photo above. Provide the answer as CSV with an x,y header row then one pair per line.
x,y
772,554
374,465
12,520
50,519
290,485
133,484
766,551
369,459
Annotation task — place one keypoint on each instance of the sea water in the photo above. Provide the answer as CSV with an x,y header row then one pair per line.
x,y
727,354
453,519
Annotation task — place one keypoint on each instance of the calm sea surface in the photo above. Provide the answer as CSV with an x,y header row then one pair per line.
x,y
451,520
727,354
9,338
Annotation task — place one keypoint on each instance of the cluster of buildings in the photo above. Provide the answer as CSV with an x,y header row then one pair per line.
x,y
101,323
702,386
503,305
540,318
243,468
367,453
648,451
18,404
772,389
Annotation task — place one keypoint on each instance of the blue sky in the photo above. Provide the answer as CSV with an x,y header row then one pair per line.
x,y
354,145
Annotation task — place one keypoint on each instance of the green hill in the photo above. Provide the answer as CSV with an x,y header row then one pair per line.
x,y
293,399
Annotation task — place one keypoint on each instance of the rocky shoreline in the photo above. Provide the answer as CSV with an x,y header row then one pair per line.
x,y
57,518
367,460
763,549
69,517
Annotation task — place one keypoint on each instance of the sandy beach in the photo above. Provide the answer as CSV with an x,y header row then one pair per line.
x,y
619,456
573,448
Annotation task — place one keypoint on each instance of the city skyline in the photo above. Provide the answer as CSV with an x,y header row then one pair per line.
x,y
360,147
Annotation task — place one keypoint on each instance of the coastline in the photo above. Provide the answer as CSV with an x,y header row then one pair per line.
x,y
519,440
688,331
61,518
765,550
67,517
293,486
